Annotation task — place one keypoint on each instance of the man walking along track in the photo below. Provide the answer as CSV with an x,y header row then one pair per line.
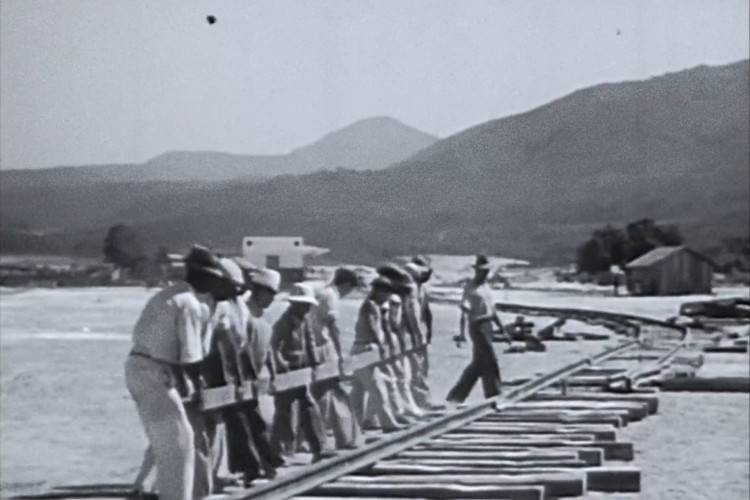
x,y
478,313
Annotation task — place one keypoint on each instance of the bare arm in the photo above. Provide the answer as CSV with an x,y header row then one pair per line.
x,y
335,333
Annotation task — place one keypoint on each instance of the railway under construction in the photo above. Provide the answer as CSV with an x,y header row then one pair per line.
x,y
552,436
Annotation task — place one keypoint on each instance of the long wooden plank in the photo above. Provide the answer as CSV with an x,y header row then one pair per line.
x,y
652,402
218,397
457,467
562,418
490,440
445,491
613,450
604,479
557,484
635,411
602,432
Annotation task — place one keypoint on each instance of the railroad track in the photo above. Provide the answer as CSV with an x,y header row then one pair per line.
x,y
554,436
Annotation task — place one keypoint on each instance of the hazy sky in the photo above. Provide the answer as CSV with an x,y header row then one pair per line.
x,y
100,81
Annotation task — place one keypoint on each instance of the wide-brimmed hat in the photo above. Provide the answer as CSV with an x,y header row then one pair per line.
x,y
302,293
482,262
416,271
233,271
421,260
267,278
382,283
345,276
396,274
201,259
246,266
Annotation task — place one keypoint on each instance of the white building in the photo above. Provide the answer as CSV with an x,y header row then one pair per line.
x,y
286,254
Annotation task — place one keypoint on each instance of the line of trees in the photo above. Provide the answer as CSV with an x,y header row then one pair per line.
x,y
612,246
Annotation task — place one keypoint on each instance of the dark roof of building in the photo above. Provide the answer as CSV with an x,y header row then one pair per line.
x,y
660,253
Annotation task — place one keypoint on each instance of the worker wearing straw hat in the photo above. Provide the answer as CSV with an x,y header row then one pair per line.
x,y
249,450
170,339
293,347
478,313
372,383
224,365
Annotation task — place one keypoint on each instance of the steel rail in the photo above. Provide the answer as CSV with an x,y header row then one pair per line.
x,y
564,311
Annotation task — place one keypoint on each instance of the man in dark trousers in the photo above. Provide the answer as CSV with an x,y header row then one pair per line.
x,y
293,348
478,313
232,361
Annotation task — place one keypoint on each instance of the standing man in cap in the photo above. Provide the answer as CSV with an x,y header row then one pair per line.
x,y
331,396
372,383
293,347
478,313
170,340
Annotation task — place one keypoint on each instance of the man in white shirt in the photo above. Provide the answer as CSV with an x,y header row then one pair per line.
x,y
332,398
478,313
170,340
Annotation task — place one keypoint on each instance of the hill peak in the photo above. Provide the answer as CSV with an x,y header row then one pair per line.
x,y
365,144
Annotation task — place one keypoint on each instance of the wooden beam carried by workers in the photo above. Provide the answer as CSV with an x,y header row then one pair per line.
x,y
218,397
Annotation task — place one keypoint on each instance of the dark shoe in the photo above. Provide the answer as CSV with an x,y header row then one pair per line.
x,y
393,429
404,420
323,455
222,482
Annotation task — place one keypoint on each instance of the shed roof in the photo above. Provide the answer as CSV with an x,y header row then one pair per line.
x,y
660,253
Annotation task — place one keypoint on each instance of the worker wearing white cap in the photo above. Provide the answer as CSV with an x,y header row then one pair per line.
x,y
170,339
293,347
248,449
222,365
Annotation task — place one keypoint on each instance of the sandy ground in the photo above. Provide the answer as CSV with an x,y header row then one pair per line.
x,y
68,419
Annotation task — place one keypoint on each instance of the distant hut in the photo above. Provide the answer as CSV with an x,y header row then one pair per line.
x,y
285,254
669,271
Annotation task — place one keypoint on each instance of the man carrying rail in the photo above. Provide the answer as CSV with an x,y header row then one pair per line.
x,y
170,339
293,348
370,386
324,319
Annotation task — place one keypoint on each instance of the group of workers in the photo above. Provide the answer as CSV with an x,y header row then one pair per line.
x,y
210,330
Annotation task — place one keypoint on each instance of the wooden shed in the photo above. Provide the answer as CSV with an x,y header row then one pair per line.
x,y
669,271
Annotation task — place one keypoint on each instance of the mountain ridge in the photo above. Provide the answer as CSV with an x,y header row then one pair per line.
x,y
532,185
